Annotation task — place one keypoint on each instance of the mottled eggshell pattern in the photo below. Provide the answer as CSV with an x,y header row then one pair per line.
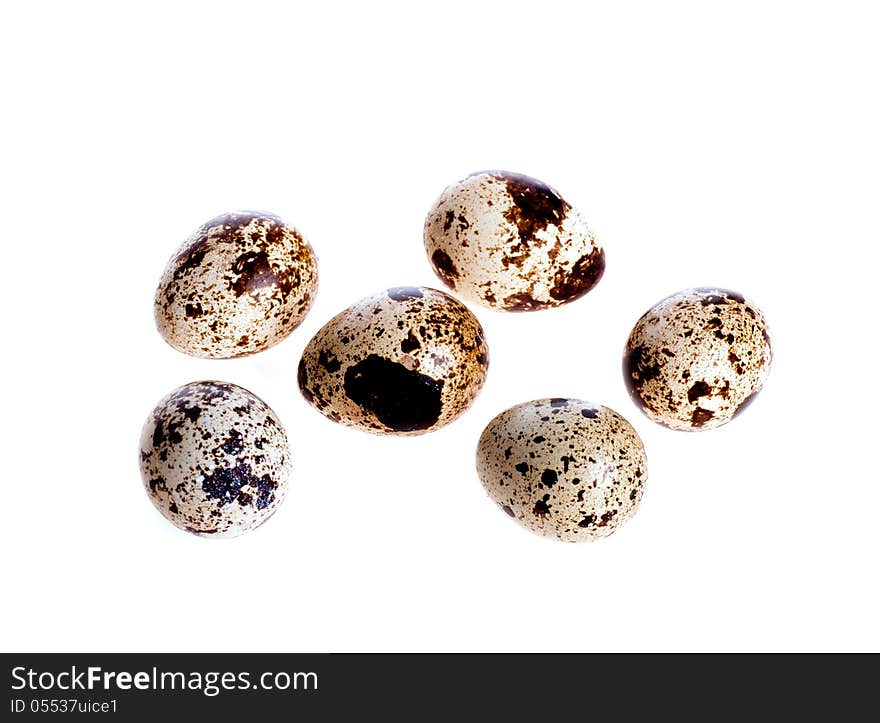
x,y
563,468
214,459
241,283
511,242
404,361
698,358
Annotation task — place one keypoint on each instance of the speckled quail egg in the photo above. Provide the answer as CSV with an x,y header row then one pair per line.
x,y
241,283
404,361
511,242
214,459
563,468
698,358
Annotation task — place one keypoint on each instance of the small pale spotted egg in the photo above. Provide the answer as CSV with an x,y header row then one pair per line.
x,y
563,468
404,361
696,359
241,283
511,242
214,459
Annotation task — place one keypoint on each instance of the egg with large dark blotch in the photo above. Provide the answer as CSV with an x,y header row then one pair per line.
x,y
238,285
405,361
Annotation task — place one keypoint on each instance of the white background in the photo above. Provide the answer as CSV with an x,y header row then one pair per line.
x,y
706,143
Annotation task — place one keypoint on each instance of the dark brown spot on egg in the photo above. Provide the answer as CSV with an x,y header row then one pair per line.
x,y
193,311
170,435
523,301
444,267
448,219
736,362
254,272
244,499
158,434
541,507
225,484
584,275
234,444
328,361
701,416
697,390
536,205
549,477
607,517
191,257
399,398
411,343
174,437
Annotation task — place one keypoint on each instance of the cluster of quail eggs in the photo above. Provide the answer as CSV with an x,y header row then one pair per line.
x,y
215,458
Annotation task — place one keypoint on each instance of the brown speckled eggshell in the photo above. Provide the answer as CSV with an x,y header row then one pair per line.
x,y
511,242
563,468
404,361
214,459
240,284
697,358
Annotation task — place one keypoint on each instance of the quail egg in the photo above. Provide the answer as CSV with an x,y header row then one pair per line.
x,y
241,283
563,468
214,459
697,359
404,361
511,242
